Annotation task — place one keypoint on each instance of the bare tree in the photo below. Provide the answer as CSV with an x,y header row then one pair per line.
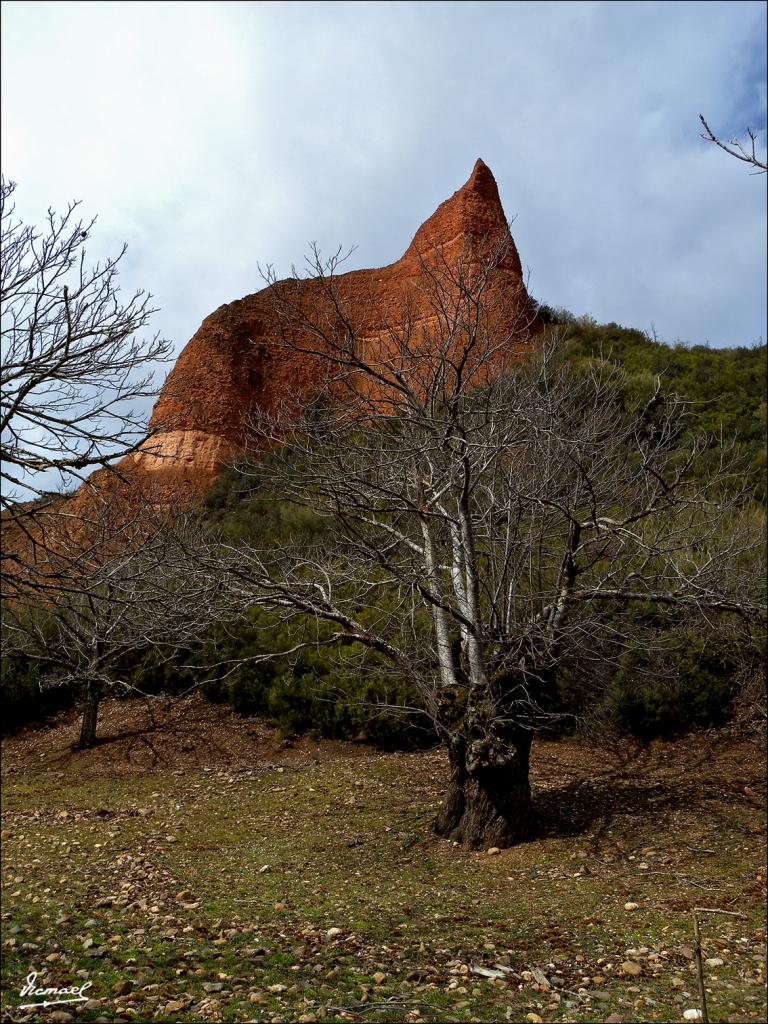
x,y
140,592
76,370
746,152
488,513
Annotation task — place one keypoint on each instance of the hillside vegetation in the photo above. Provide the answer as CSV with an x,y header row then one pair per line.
x,y
350,693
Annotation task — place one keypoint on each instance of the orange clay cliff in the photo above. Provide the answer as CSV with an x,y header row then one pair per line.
x,y
237,363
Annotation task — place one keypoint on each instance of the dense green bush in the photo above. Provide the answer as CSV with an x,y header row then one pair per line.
x,y
680,681
362,708
695,688
344,694
23,699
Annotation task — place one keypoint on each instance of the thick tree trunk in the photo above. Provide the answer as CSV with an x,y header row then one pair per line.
x,y
487,802
488,733
90,715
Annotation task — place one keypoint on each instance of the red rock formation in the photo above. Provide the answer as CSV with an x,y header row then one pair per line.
x,y
235,363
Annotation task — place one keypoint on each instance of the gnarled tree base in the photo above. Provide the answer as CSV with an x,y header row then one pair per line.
x,y
489,803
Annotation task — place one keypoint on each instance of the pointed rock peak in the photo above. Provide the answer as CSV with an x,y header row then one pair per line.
x,y
481,179
473,211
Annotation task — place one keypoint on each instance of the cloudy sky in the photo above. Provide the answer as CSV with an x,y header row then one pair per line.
x,y
214,136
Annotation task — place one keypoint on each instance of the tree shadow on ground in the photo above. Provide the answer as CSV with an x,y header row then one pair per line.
x,y
639,787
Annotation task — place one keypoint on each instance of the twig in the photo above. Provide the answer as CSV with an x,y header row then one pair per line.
x,y
700,969
717,910
697,952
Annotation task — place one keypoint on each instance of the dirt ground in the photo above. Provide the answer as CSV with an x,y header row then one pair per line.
x,y
184,733
161,734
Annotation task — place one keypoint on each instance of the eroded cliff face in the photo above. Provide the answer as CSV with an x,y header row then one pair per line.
x,y
236,362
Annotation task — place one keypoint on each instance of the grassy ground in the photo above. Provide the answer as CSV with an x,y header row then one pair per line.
x,y
303,883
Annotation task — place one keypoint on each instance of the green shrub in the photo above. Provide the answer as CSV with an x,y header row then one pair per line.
x,y
690,687
23,698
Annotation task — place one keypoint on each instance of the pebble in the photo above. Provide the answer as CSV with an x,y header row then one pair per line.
x,y
630,967
631,906
379,977
534,1018
714,961
494,850
333,932
692,1015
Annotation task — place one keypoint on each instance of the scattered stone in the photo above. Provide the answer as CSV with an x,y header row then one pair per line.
x,y
213,986
307,1018
614,1018
631,906
417,975
494,850
61,1017
632,968
692,1015
276,989
714,961
333,932
534,1018
540,978
379,977
122,988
